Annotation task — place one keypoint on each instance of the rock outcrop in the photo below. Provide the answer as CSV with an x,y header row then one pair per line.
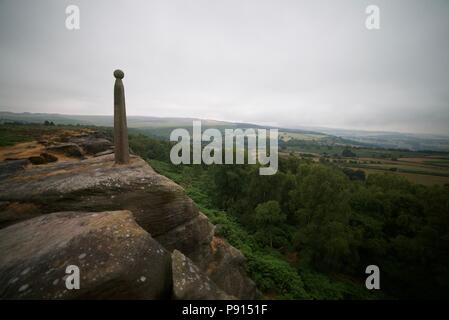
x,y
10,167
116,258
67,149
224,264
97,184
190,283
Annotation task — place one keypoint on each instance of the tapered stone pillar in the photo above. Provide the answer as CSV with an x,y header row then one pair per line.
x,y
120,128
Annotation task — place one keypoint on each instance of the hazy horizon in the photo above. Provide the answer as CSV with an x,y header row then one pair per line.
x,y
290,64
316,128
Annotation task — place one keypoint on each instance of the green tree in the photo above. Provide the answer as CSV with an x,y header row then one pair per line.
x,y
348,153
325,236
268,218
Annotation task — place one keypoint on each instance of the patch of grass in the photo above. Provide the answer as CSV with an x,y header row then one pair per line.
x,y
10,135
438,163
321,287
424,179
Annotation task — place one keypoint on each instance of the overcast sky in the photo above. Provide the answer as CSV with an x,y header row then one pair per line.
x,y
277,62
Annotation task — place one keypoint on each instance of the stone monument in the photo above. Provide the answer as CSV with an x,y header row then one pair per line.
x,y
120,128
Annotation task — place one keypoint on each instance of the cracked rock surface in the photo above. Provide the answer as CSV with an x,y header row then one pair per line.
x,y
116,258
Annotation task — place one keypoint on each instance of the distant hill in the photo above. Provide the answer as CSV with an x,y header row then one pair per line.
x,y
133,121
158,124
394,140
162,126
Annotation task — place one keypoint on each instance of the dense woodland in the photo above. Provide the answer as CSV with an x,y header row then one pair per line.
x,y
309,231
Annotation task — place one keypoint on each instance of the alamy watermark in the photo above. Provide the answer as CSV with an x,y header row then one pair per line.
x,y
373,280
372,22
72,21
213,152
72,280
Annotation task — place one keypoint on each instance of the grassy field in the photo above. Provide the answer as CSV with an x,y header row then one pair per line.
x,y
422,172
427,168
424,179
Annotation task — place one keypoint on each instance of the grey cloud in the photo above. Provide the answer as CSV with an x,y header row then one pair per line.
x,y
288,63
